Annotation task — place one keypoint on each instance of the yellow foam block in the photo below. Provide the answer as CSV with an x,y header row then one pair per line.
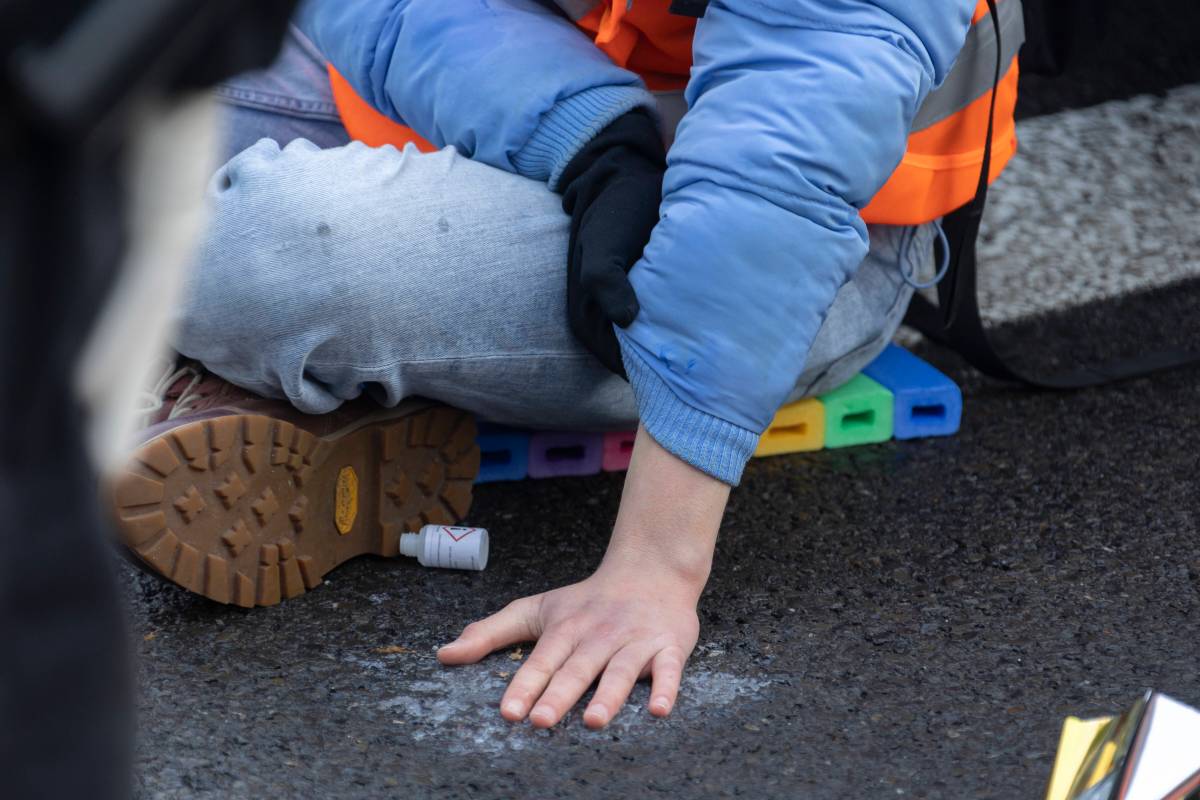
x,y
797,428
1077,738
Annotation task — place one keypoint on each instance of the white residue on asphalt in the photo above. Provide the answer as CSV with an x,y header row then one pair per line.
x,y
459,707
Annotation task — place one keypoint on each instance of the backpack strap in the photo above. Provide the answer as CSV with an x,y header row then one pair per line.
x,y
688,8
955,320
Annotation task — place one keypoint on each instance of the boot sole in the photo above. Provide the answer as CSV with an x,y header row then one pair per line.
x,y
251,510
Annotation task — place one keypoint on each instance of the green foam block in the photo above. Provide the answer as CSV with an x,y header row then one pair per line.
x,y
857,412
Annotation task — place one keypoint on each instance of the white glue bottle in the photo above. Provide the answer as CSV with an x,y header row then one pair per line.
x,y
448,546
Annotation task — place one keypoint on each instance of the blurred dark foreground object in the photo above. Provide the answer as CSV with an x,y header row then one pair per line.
x,y
70,72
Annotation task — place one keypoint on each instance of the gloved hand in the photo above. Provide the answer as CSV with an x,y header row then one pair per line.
x,y
611,189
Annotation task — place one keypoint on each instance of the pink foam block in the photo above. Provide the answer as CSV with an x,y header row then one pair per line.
x,y
618,449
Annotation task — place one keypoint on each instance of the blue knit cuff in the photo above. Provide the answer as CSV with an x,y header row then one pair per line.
x,y
570,124
708,443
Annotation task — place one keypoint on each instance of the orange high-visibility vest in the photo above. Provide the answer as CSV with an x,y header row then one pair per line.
x,y
940,168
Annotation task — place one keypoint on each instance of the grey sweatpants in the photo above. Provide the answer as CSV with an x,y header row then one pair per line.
x,y
331,268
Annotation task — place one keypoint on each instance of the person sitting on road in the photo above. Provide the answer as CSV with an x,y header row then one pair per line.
x,y
582,214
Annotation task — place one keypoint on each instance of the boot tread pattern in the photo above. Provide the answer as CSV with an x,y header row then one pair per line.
x,y
241,508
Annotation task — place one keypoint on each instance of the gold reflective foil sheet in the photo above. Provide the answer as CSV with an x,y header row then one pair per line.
x,y
1151,752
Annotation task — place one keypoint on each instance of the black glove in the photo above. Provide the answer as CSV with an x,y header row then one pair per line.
x,y
612,189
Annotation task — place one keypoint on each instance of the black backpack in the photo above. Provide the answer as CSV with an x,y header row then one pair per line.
x,y
1057,31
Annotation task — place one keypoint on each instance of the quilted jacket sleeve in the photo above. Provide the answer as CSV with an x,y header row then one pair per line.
x,y
506,82
799,110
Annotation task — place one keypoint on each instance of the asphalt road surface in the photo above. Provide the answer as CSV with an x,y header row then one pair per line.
x,y
903,620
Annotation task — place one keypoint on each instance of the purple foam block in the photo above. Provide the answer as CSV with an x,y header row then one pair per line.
x,y
618,449
556,453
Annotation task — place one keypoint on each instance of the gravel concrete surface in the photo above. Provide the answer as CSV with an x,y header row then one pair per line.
x,y
904,620
1098,202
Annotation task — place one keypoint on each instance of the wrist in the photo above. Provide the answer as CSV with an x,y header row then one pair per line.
x,y
666,564
630,144
669,517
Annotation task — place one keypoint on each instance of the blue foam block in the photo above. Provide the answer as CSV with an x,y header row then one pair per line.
x,y
503,454
927,402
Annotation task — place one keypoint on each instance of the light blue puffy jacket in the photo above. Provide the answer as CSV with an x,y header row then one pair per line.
x,y
798,111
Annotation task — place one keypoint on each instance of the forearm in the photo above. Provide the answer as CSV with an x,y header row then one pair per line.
x,y
669,516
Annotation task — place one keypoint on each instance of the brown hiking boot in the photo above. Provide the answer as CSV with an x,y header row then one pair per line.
x,y
246,500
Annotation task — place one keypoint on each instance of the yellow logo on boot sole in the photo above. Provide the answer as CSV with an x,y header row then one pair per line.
x,y
345,501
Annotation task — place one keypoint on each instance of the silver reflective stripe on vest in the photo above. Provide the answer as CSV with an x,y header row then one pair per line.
x,y
973,72
576,9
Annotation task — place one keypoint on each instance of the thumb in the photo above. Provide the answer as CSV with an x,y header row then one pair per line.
x,y
610,288
509,625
